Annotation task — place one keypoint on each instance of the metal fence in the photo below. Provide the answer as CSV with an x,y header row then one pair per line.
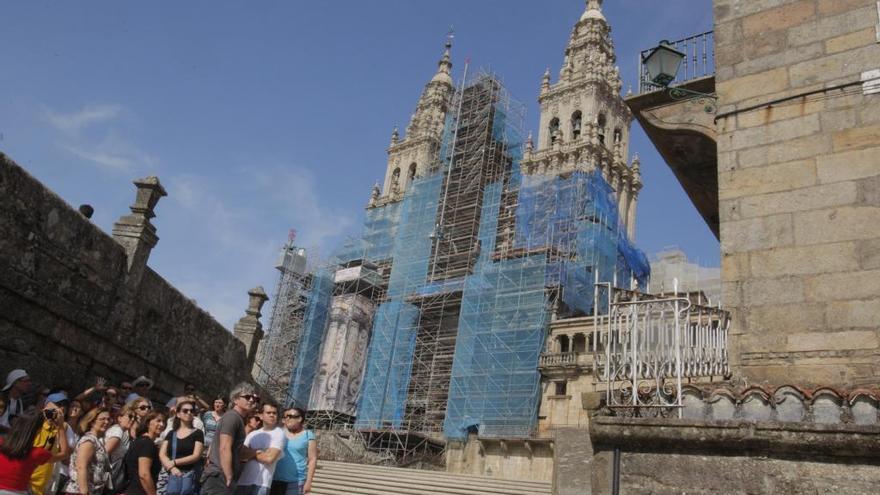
x,y
699,61
648,345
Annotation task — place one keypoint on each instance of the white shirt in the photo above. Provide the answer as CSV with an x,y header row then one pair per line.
x,y
257,473
13,408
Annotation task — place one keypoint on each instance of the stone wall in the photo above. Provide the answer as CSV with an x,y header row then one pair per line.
x,y
74,303
501,458
799,188
673,456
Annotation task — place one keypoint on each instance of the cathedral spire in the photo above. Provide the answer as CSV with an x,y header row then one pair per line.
x,y
593,11
444,67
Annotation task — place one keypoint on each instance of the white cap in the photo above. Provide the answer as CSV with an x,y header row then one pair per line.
x,y
14,376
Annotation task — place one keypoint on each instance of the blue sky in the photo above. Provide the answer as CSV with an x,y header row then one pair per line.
x,y
259,117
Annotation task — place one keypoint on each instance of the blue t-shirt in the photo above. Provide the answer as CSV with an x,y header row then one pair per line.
x,y
293,465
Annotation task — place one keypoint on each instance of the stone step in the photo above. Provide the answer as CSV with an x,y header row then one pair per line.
x,y
339,478
348,468
418,486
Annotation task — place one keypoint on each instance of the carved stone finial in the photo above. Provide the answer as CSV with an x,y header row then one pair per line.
x,y
135,233
374,194
249,330
395,136
149,192
545,81
530,145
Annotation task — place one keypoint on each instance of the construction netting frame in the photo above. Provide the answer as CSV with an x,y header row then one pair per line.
x,y
538,244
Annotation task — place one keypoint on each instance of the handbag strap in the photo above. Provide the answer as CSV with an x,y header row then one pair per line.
x,y
173,444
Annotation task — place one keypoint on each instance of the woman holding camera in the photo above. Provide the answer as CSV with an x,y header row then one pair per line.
x,y
18,454
90,463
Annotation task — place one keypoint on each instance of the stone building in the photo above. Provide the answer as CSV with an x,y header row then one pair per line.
x,y
477,242
672,266
778,147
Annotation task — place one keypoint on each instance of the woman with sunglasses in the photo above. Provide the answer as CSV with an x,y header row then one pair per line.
x,y
181,451
253,423
90,464
142,460
117,440
296,469
142,407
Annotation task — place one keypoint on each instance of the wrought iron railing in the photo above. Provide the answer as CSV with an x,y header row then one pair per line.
x,y
699,61
648,346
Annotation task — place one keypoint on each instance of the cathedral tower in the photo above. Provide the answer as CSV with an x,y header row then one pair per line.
x,y
584,124
416,153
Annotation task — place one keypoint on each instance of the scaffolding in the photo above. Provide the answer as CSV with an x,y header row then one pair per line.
x,y
477,259
277,350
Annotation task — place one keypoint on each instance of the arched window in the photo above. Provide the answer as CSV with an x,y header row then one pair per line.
x,y
576,125
563,343
617,135
412,172
600,124
579,343
554,130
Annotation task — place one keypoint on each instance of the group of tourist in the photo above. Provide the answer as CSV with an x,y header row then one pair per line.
x,y
111,440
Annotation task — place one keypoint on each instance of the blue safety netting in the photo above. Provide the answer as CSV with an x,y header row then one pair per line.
x,y
395,325
314,327
566,234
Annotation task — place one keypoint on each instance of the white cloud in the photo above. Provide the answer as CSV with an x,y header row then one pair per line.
x,y
104,145
244,219
73,123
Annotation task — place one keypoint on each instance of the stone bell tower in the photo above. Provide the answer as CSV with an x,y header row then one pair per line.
x,y
417,151
585,125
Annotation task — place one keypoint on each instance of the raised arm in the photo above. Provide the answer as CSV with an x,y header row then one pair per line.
x,y
64,449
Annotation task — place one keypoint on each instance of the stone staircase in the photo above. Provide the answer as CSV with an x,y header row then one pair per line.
x,y
339,478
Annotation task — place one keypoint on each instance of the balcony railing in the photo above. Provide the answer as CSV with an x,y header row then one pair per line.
x,y
648,346
699,61
559,359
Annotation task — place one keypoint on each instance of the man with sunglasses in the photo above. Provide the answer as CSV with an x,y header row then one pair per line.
x,y
227,452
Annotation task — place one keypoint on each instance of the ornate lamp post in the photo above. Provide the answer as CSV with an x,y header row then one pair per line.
x,y
662,64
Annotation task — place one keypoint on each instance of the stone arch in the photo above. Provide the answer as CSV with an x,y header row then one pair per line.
x,y
601,122
576,121
579,343
553,129
411,173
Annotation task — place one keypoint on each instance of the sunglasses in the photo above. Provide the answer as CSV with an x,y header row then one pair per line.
x,y
251,397
131,417
186,410
292,416
144,408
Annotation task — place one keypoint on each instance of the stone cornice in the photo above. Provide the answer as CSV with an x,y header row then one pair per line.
x,y
413,142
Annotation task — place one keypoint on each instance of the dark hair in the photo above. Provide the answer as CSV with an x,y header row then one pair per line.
x,y
300,411
20,440
175,423
268,403
144,425
220,397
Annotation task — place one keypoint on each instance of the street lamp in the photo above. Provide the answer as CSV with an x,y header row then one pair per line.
x,y
662,63
661,66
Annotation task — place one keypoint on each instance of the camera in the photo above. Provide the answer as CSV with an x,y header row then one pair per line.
x,y
49,414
